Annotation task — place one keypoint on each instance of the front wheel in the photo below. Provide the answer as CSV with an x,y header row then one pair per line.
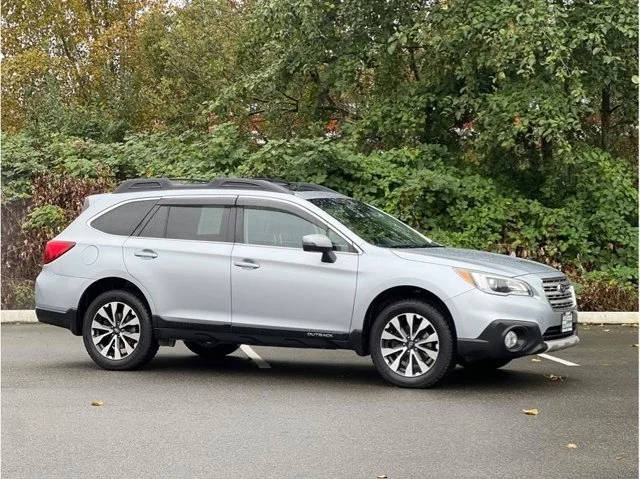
x,y
211,350
411,344
117,331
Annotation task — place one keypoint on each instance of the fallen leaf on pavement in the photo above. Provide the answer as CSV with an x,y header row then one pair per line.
x,y
382,476
572,446
553,377
97,402
535,360
531,412
606,330
621,456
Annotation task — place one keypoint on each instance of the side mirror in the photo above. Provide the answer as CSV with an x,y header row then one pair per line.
x,y
319,244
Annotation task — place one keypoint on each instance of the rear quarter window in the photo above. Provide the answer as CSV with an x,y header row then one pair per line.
x,y
123,219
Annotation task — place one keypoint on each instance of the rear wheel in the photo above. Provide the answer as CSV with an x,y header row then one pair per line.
x,y
211,350
484,364
411,344
117,331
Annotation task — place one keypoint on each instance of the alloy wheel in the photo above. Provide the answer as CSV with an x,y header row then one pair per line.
x,y
115,330
409,344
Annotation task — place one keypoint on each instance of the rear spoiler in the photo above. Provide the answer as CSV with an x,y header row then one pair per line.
x,y
90,200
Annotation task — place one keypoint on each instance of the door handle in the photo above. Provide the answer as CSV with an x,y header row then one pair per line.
x,y
145,253
246,264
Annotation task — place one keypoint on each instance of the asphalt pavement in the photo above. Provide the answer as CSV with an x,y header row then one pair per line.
x,y
314,414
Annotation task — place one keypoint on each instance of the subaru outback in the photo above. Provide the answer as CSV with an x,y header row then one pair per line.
x,y
269,262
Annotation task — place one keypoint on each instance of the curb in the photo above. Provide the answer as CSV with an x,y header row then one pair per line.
x,y
619,317
18,316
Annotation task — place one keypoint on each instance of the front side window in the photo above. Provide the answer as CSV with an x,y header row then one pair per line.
x,y
123,219
270,227
274,227
193,222
373,225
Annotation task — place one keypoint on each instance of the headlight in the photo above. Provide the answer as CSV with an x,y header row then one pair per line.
x,y
495,284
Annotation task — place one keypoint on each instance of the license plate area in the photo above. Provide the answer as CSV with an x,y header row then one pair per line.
x,y
567,322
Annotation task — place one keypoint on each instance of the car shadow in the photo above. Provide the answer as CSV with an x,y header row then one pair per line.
x,y
279,372
284,373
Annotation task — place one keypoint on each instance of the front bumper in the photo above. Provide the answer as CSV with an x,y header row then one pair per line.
x,y
490,343
563,343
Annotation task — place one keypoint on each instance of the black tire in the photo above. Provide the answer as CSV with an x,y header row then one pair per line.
x,y
445,359
211,350
484,364
146,347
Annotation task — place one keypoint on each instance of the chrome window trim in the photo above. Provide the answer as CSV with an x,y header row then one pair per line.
x,y
235,200
178,239
292,248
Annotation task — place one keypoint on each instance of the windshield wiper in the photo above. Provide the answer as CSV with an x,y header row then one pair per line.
x,y
424,245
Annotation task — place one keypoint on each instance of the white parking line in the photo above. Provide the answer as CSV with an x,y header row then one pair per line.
x,y
558,360
251,354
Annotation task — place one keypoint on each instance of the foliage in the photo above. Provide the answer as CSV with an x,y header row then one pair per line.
x,y
607,296
27,224
516,81
49,218
71,66
592,225
18,294
493,124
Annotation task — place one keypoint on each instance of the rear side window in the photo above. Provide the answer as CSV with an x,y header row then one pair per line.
x,y
193,222
123,219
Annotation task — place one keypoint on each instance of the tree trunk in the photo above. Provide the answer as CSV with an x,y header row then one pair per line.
x,y
547,153
605,117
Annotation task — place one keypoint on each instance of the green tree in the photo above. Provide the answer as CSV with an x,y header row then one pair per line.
x,y
69,66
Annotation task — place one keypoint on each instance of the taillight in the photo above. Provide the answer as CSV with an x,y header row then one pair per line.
x,y
55,248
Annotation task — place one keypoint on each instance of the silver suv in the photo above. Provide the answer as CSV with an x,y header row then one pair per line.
x,y
269,262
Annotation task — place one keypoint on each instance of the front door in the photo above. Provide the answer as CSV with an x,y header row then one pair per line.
x,y
182,257
276,286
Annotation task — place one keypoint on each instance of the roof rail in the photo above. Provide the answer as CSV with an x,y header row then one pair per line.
x,y
302,186
150,184
298,185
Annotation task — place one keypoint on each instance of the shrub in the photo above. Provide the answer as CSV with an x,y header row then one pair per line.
x,y
18,294
584,222
27,224
47,218
598,295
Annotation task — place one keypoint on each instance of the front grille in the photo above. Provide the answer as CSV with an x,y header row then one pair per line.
x,y
555,332
559,293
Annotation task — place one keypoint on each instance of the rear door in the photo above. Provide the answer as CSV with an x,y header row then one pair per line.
x,y
181,255
278,287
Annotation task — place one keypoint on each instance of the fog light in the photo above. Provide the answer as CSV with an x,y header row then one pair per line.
x,y
510,340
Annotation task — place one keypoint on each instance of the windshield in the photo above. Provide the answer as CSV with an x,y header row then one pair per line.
x,y
373,225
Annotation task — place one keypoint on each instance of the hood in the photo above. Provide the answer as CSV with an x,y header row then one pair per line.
x,y
477,260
